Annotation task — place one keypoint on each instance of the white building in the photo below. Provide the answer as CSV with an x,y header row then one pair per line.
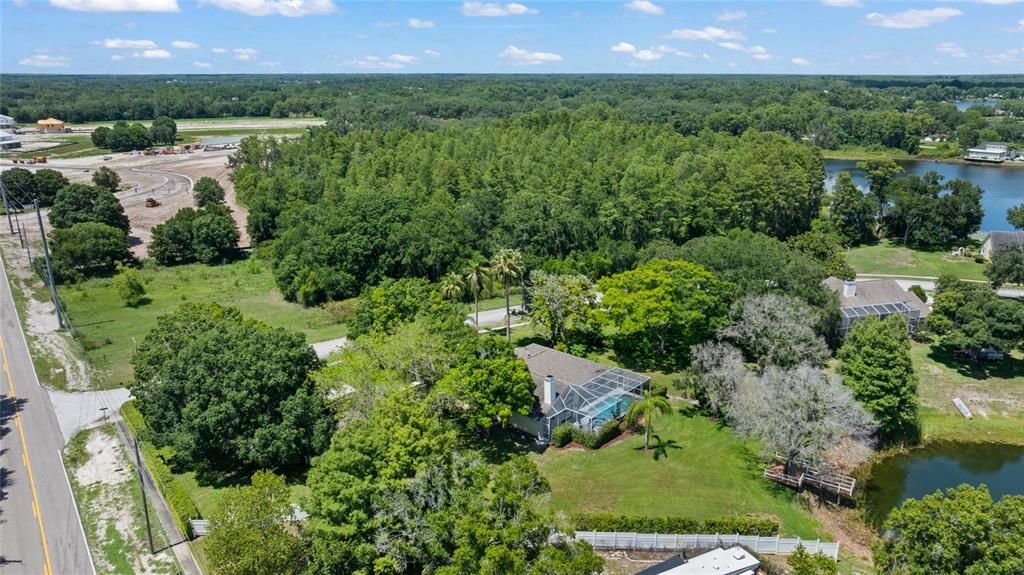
x,y
998,240
989,152
735,561
7,141
6,122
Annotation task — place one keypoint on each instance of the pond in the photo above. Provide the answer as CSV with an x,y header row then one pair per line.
x,y
941,466
967,104
1003,186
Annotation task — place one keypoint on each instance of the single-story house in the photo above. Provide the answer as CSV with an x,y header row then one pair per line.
x,y
734,561
6,122
989,152
7,141
875,298
574,390
998,240
50,126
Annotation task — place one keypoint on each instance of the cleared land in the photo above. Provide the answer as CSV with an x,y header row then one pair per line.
x,y
110,503
110,331
699,470
889,258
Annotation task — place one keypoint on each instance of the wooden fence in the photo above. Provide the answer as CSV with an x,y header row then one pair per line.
x,y
662,542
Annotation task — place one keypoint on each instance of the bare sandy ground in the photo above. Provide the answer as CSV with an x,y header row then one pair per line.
x,y
166,178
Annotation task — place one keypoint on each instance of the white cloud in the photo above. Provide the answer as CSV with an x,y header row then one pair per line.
x,y
624,47
40,60
709,33
801,62
495,9
219,50
432,53
645,6
1019,28
290,8
1011,56
952,49
184,44
116,57
706,56
270,63
731,15
152,54
521,56
119,44
1000,2
202,64
403,59
245,54
912,18
758,52
393,62
769,30
117,5
648,55
674,51
417,23
843,3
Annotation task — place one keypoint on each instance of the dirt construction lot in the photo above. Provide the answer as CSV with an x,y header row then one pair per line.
x,y
167,179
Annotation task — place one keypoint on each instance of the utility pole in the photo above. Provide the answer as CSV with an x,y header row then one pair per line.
x,y
49,267
7,206
145,504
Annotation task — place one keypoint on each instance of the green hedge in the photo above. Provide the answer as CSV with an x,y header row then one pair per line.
x,y
742,524
566,432
177,497
178,500
133,418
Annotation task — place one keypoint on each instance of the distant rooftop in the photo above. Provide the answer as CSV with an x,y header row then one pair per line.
x,y
875,293
1002,239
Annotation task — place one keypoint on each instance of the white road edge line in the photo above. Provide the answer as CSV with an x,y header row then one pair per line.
x,y
81,526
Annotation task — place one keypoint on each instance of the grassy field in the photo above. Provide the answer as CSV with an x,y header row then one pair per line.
x,y
701,471
860,153
71,146
196,136
887,257
110,331
994,393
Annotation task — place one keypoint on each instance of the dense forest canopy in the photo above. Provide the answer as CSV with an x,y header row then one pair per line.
x,y
349,209
891,111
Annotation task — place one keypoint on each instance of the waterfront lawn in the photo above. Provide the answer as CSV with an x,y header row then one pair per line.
x,y
701,471
890,258
109,330
861,153
994,393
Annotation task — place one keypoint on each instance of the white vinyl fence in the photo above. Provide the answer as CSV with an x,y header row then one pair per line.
x,y
662,542
200,526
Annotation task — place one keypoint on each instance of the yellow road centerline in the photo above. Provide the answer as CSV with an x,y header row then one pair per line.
x,y
47,567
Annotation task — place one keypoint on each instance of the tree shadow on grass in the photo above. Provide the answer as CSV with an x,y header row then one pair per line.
x,y
1009,368
504,444
660,447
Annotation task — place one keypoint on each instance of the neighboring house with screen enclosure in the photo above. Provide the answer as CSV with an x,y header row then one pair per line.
x,y
574,390
881,298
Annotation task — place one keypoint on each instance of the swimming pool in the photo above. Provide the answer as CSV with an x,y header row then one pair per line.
x,y
610,408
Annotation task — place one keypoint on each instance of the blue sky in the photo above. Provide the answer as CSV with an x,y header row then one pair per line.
x,y
624,36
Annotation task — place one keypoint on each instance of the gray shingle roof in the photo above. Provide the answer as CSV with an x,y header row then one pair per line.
x,y
876,292
567,369
1003,239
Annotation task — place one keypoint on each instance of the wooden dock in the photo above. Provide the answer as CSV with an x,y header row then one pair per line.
x,y
813,477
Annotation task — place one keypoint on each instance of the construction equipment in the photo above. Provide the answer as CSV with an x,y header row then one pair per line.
x,y
152,202
39,159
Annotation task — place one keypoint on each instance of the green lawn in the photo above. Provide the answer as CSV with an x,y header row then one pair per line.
x,y
196,136
993,392
859,153
889,258
704,472
71,146
110,331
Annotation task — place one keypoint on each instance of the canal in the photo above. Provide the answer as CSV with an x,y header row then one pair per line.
x,y
923,471
1004,186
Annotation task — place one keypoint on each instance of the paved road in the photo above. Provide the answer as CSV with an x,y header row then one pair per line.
x,y
928,283
40,531
493,316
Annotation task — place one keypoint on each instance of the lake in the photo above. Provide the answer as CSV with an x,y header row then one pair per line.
x,y
941,466
967,104
1004,186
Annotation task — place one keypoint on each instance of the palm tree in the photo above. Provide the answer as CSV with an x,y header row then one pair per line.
x,y
451,286
651,406
476,276
507,264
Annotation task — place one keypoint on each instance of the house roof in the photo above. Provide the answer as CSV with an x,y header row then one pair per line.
x,y
49,121
733,561
567,369
876,292
1002,239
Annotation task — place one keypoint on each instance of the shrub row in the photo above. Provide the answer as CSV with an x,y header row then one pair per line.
x,y
181,505
177,497
133,419
566,432
742,524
